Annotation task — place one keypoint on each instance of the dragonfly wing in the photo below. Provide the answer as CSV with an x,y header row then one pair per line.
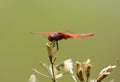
x,y
65,31
43,33
49,33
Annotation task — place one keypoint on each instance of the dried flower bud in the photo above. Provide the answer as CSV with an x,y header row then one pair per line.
x,y
87,67
49,49
49,52
104,73
79,72
57,70
78,65
107,69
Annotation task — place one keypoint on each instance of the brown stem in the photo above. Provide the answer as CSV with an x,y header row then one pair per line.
x,y
53,74
52,60
87,79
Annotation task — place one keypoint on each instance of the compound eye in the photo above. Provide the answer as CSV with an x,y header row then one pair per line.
x,y
50,38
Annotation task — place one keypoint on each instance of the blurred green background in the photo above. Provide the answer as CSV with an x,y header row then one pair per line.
x,y
21,51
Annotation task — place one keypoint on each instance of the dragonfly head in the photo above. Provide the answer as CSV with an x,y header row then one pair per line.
x,y
50,38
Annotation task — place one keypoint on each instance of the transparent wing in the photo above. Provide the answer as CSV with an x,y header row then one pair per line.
x,y
43,33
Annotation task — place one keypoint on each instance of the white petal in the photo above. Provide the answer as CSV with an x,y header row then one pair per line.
x,y
68,64
58,76
32,78
88,61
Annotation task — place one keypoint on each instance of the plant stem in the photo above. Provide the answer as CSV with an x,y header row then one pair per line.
x,y
87,79
52,60
53,74
41,73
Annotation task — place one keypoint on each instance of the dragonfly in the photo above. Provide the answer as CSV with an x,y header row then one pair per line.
x,y
54,37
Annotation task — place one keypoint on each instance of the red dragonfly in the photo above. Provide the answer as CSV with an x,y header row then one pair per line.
x,y
54,37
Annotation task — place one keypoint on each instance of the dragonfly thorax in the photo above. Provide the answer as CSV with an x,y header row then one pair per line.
x,y
50,38
56,37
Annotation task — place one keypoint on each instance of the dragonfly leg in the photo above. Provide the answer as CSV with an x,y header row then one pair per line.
x,y
57,45
52,43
